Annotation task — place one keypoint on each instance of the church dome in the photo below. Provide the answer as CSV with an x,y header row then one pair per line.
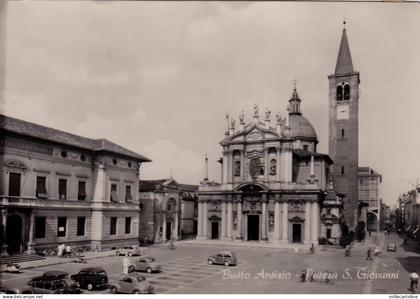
x,y
301,127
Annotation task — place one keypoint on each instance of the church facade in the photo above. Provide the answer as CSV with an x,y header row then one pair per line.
x,y
273,181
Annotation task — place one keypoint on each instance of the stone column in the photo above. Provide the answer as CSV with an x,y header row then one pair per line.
x,y
307,239
100,185
266,166
314,223
223,233
264,218
4,253
225,166
31,243
176,223
229,221
242,164
278,164
289,165
239,218
164,226
205,221
200,220
276,220
285,224
229,167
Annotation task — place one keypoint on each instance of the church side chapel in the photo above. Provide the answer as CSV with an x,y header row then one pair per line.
x,y
273,182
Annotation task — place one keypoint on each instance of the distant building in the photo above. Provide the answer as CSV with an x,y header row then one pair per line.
x,y
58,187
168,210
369,184
409,207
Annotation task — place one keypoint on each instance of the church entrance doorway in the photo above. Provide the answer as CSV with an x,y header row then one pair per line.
x,y
14,226
253,227
168,230
215,230
297,233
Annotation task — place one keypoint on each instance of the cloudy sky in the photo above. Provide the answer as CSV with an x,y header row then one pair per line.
x,y
158,77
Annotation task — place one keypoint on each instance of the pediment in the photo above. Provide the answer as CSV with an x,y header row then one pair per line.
x,y
252,132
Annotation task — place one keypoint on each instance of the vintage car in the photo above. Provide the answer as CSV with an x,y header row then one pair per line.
x,y
226,258
132,250
91,278
24,290
132,284
392,246
54,282
147,264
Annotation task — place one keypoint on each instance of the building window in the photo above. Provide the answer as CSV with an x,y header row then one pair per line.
x,y
343,92
328,211
14,184
342,133
169,206
81,193
81,226
237,170
128,197
61,226
113,226
342,169
128,225
41,187
339,94
40,227
346,92
141,206
271,221
114,196
305,147
114,161
82,157
62,189
64,154
328,233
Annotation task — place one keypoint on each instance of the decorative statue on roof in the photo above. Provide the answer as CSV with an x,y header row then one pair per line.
x,y
242,117
267,114
232,124
278,116
255,110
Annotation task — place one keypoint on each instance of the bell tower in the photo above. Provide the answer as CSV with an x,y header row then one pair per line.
x,y
344,129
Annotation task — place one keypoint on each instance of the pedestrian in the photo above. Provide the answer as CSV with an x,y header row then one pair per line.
x,y
145,241
414,278
303,276
369,254
126,264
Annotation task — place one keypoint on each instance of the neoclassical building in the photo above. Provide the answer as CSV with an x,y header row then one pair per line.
x,y
273,181
57,187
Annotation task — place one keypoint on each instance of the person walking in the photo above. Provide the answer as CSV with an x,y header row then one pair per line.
x,y
369,254
414,279
126,264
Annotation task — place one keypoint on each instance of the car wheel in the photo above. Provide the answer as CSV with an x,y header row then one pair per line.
x,y
113,290
149,270
89,287
117,253
135,292
227,263
210,262
130,254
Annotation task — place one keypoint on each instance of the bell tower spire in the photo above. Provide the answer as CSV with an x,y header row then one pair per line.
x,y
294,102
344,63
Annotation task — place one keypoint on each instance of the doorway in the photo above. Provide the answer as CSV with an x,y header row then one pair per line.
x,y
215,230
253,227
297,233
168,230
14,226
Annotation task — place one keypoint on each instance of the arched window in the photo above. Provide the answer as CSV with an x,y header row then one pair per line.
x,y
342,169
169,206
342,133
346,92
339,93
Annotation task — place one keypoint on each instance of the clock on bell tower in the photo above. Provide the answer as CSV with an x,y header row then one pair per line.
x,y
344,131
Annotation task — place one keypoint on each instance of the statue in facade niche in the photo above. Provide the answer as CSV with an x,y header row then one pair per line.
x,y
237,170
273,167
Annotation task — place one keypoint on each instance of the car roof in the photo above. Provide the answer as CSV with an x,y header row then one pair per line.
x,y
225,252
55,273
93,269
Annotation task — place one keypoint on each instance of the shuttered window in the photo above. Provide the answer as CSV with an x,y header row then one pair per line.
x,y
128,197
113,226
114,196
14,184
81,226
81,195
41,187
40,223
128,225
61,226
62,189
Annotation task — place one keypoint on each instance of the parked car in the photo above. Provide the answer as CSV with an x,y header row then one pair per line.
x,y
392,246
146,263
132,284
91,278
24,290
54,282
226,258
131,250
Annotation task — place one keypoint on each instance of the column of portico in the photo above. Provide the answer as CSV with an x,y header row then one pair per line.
x,y
205,220
264,218
200,220
278,169
242,163
289,164
164,226
239,217
229,220
314,222
276,237
225,166
285,223
229,167
3,223
308,239
266,166
31,243
223,233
